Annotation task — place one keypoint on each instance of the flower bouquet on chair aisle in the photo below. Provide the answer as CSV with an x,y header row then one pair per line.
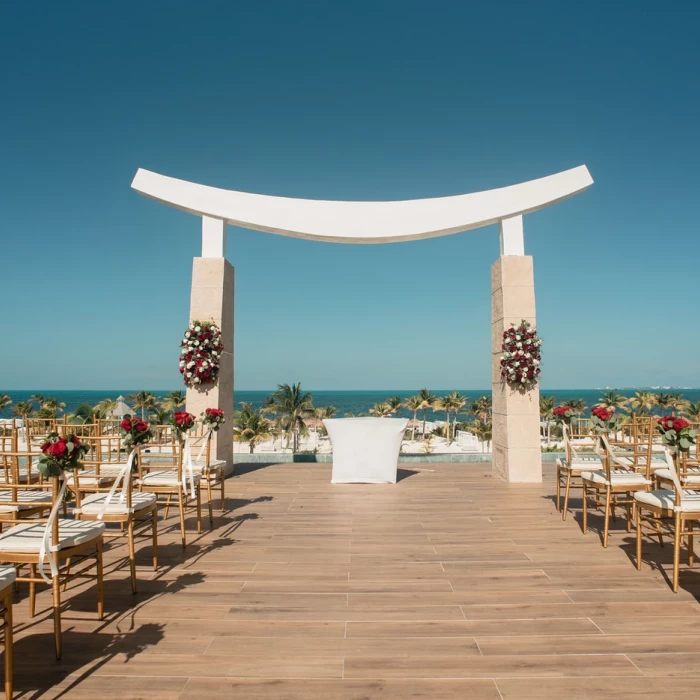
x,y
61,454
135,432
676,433
605,420
213,419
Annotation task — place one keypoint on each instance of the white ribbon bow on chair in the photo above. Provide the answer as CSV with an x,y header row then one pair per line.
x,y
45,549
190,468
125,474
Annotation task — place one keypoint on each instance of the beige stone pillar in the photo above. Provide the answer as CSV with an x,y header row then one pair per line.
x,y
212,300
517,455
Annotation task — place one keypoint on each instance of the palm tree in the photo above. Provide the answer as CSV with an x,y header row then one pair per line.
x,y
5,401
676,403
579,405
83,414
174,400
449,404
38,399
481,408
144,401
414,403
161,415
381,410
23,409
101,409
644,401
427,401
612,399
251,426
457,402
483,430
547,404
692,410
51,407
395,403
291,404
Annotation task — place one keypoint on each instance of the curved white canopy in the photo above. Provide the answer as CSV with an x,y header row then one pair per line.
x,y
363,222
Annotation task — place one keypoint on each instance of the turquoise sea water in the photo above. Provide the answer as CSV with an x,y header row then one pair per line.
x,y
345,401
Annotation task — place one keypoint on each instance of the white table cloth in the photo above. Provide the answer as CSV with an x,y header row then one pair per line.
x,y
365,450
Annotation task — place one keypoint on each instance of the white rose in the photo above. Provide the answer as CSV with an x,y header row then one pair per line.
x,y
196,343
198,328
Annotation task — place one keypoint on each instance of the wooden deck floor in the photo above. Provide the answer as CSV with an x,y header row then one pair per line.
x,y
450,585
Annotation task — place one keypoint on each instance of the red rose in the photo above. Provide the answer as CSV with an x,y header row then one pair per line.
x,y
126,424
56,449
45,447
142,426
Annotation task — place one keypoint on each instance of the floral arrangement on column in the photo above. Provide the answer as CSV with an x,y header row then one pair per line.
x,y
520,361
213,419
563,414
605,420
60,454
200,354
676,433
182,422
135,432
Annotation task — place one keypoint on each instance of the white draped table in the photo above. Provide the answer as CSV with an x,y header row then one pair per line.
x,y
365,450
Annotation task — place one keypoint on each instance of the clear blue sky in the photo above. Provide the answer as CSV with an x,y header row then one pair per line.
x,y
347,100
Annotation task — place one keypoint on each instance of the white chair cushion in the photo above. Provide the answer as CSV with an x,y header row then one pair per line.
x,y
28,537
201,466
618,477
89,478
8,574
168,477
693,476
33,499
666,499
94,503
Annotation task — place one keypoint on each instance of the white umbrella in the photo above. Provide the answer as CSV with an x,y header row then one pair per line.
x,y
120,409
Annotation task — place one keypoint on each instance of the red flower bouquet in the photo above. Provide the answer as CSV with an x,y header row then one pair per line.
x,y
520,361
676,433
61,453
605,420
213,418
182,422
135,432
200,354
563,414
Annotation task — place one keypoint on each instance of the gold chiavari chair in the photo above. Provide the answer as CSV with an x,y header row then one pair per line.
x,y
211,469
8,574
612,487
687,471
59,541
570,468
19,503
676,509
173,480
134,511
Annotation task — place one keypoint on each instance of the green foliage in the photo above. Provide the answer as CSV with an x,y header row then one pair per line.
x,y
250,426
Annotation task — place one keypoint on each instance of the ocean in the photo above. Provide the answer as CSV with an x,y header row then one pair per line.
x,y
344,401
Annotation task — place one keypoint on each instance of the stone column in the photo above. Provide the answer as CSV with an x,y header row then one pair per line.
x,y
212,300
517,455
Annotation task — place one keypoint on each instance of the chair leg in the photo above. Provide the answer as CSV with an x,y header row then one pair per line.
x,y
606,527
677,552
181,503
558,488
32,590
56,586
167,507
9,648
223,487
199,508
100,581
154,525
566,495
584,523
132,555
65,582
638,522
691,552
628,512
211,506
